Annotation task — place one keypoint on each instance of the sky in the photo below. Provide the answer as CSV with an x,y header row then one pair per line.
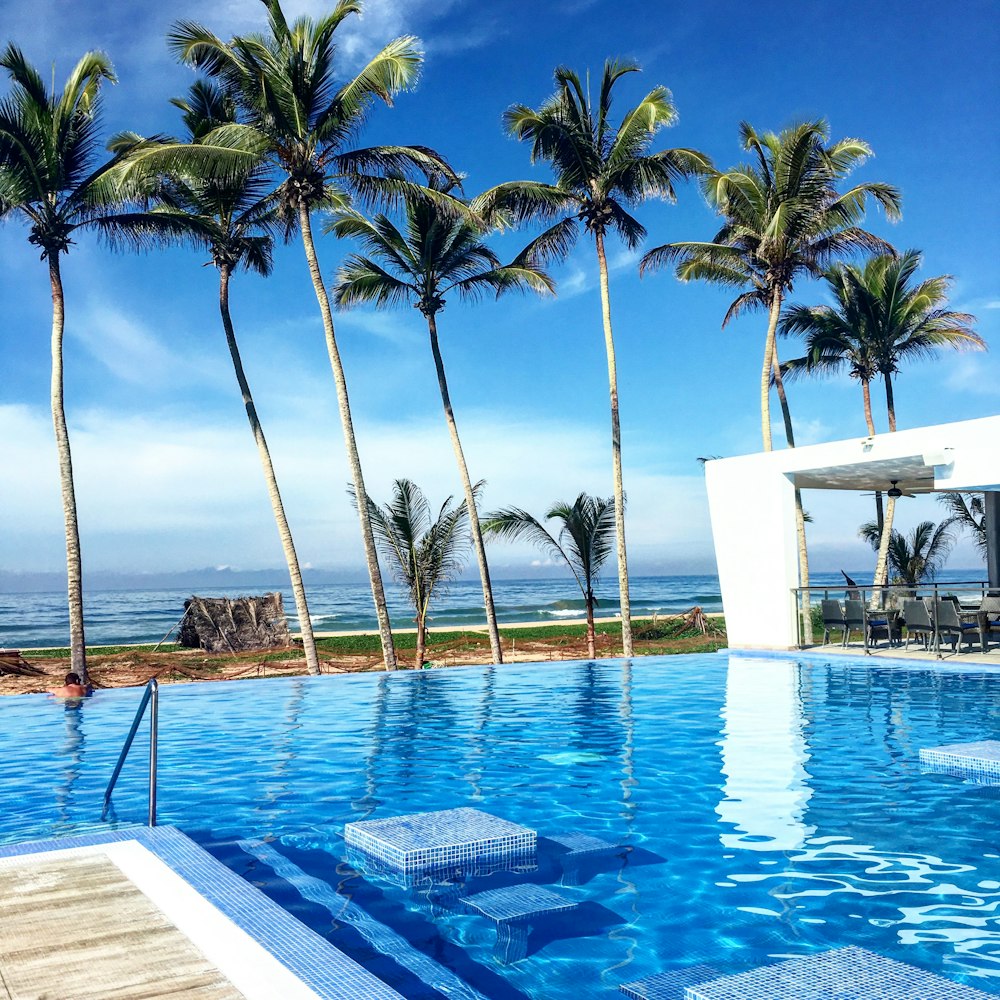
x,y
166,471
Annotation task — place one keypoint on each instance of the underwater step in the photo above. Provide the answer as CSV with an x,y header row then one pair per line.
x,y
671,985
382,938
513,909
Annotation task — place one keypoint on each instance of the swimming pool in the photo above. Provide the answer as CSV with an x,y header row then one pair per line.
x,y
771,808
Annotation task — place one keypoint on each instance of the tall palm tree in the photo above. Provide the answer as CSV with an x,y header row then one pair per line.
x,y
783,218
881,318
296,119
601,170
437,253
586,535
423,553
53,179
916,557
239,221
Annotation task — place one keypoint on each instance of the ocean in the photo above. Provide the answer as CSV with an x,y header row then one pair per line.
x,y
131,616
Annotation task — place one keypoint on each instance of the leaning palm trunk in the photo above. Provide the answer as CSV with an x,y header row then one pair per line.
x,y
770,364
616,450
881,577
74,565
805,607
591,637
284,532
371,557
470,496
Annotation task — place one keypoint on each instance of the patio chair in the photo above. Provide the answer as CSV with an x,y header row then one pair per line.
x,y
918,622
989,620
833,617
951,627
854,618
884,624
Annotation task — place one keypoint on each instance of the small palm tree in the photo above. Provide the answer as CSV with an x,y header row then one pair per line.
x,y
585,539
601,171
51,178
423,553
296,119
968,515
238,219
881,318
916,557
437,253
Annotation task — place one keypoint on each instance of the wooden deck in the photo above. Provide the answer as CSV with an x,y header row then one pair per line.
x,y
77,927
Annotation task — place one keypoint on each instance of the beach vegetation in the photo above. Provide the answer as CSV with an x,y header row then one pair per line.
x,y
601,170
968,513
439,251
915,557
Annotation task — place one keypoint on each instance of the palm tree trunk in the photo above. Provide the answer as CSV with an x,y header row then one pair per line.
x,y
591,638
371,556
805,606
470,499
866,395
74,562
418,660
284,532
616,449
890,402
770,354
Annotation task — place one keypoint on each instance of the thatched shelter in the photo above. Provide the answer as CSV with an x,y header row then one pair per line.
x,y
234,624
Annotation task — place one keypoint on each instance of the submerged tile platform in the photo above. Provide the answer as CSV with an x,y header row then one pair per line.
x,y
262,950
668,985
974,760
448,838
582,845
845,974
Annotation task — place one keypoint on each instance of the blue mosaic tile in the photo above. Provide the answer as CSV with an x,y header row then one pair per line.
x,y
518,903
435,840
321,966
668,985
974,760
845,974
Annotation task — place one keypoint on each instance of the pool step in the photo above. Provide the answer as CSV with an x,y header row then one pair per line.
x,y
670,985
975,761
382,938
514,909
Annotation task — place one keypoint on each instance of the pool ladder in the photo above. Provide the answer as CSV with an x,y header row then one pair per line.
x,y
151,697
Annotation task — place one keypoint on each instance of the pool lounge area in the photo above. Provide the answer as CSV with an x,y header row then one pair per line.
x,y
695,827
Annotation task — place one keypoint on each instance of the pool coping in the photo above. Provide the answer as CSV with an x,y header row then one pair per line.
x,y
857,658
320,966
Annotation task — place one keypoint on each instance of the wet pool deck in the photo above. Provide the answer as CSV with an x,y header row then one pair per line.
x,y
146,913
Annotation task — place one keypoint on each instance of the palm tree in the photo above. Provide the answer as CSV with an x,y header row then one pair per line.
x,y
783,217
880,319
968,515
423,552
437,253
298,121
917,557
239,221
51,178
600,171
586,535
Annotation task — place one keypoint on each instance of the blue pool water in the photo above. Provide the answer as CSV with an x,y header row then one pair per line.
x,y
772,808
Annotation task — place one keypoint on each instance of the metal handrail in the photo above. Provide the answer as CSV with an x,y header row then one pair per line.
x,y
150,697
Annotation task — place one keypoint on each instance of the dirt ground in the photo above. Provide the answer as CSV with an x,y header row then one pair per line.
x,y
135,667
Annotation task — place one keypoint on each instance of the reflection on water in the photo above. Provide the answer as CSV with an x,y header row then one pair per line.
x,y
764,755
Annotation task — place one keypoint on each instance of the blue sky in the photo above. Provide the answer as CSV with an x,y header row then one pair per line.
x,y
166,471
